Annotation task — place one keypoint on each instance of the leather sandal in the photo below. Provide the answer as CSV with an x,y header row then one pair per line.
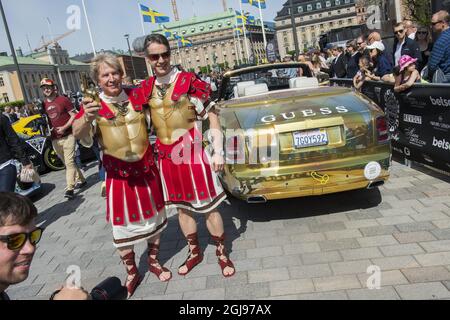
x,y
153,263
195,256
129,260
222,252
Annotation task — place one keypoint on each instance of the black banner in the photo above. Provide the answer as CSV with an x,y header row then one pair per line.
x,y
419,119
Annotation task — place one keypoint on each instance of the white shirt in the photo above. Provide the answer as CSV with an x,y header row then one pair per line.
x,y
168,78
398,52
412,36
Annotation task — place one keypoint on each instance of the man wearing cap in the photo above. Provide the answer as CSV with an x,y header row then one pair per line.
x,y
403,45
61,114
381,64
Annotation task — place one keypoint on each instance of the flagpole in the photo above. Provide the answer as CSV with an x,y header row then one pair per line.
x,y
262,25
245,33
141,18
239,41
89,28
235,46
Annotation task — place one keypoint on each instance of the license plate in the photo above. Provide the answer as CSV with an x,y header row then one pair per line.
x,y
312,138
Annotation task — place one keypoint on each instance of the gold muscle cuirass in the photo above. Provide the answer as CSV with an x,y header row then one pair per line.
x,y
125,136
168,117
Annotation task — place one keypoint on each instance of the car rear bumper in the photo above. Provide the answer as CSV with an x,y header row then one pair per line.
x,y
305,180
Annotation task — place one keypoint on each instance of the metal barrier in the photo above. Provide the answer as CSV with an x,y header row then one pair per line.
x,y
419,119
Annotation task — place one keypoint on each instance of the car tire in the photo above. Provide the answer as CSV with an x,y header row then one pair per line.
x,y
51,160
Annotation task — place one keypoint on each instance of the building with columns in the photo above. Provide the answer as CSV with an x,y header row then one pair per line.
x,y
214,42
313,18
53,63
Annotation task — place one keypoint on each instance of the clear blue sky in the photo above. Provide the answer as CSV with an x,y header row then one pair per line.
x,y
109,20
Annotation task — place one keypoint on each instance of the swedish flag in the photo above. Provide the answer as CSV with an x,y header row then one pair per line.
x,y
245,18
241,18
182,42
238,31
168,33
153,16
256,3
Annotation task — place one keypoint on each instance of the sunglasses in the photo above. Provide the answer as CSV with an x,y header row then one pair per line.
x,y
399,31
156,56
17,241
360,43
435,23
422,32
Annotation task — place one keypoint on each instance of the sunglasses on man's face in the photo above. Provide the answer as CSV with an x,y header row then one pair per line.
x,y
399,31
157,56
435,23
17,241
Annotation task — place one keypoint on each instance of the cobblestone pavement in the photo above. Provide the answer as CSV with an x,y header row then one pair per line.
x,y
306,248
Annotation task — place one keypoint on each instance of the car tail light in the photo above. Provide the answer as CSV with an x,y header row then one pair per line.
x,y
235,150
382,129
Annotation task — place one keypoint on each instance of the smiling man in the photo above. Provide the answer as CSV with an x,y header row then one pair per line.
x,y
61,114
179,102
134,196
19,236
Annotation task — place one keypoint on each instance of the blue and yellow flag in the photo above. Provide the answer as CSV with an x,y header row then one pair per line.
x,y
238,31
183,42
240,17
153,16
245,18
256,3
251,20
168,33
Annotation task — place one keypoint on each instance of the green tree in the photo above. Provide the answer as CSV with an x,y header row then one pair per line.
x,y
419,11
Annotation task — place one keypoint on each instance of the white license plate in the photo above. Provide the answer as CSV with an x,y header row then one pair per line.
x,y
304,139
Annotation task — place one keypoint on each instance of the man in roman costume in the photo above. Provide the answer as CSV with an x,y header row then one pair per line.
x,y
135,202
179,101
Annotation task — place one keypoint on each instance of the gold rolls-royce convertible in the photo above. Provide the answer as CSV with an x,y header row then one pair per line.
x,y
288,136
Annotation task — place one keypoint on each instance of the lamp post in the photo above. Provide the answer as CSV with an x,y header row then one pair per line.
x,y
294,29
127,36
13,51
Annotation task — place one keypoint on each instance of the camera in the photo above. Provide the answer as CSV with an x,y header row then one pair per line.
x,y
109,289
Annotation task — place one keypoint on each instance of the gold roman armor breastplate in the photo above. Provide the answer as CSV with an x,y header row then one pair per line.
x,y
168,116
125,136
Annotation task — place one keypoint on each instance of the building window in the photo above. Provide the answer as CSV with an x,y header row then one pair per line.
x,y
349,21
301,19
5,98
33,79
318,6
2,83
340,22
320,15
300,9
309,7
347,1
337,2
328,4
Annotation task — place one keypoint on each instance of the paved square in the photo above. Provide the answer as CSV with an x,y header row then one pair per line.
x,y
305,248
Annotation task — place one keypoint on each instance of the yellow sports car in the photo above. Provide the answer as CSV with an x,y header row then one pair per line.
x,y
32,130
287,136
